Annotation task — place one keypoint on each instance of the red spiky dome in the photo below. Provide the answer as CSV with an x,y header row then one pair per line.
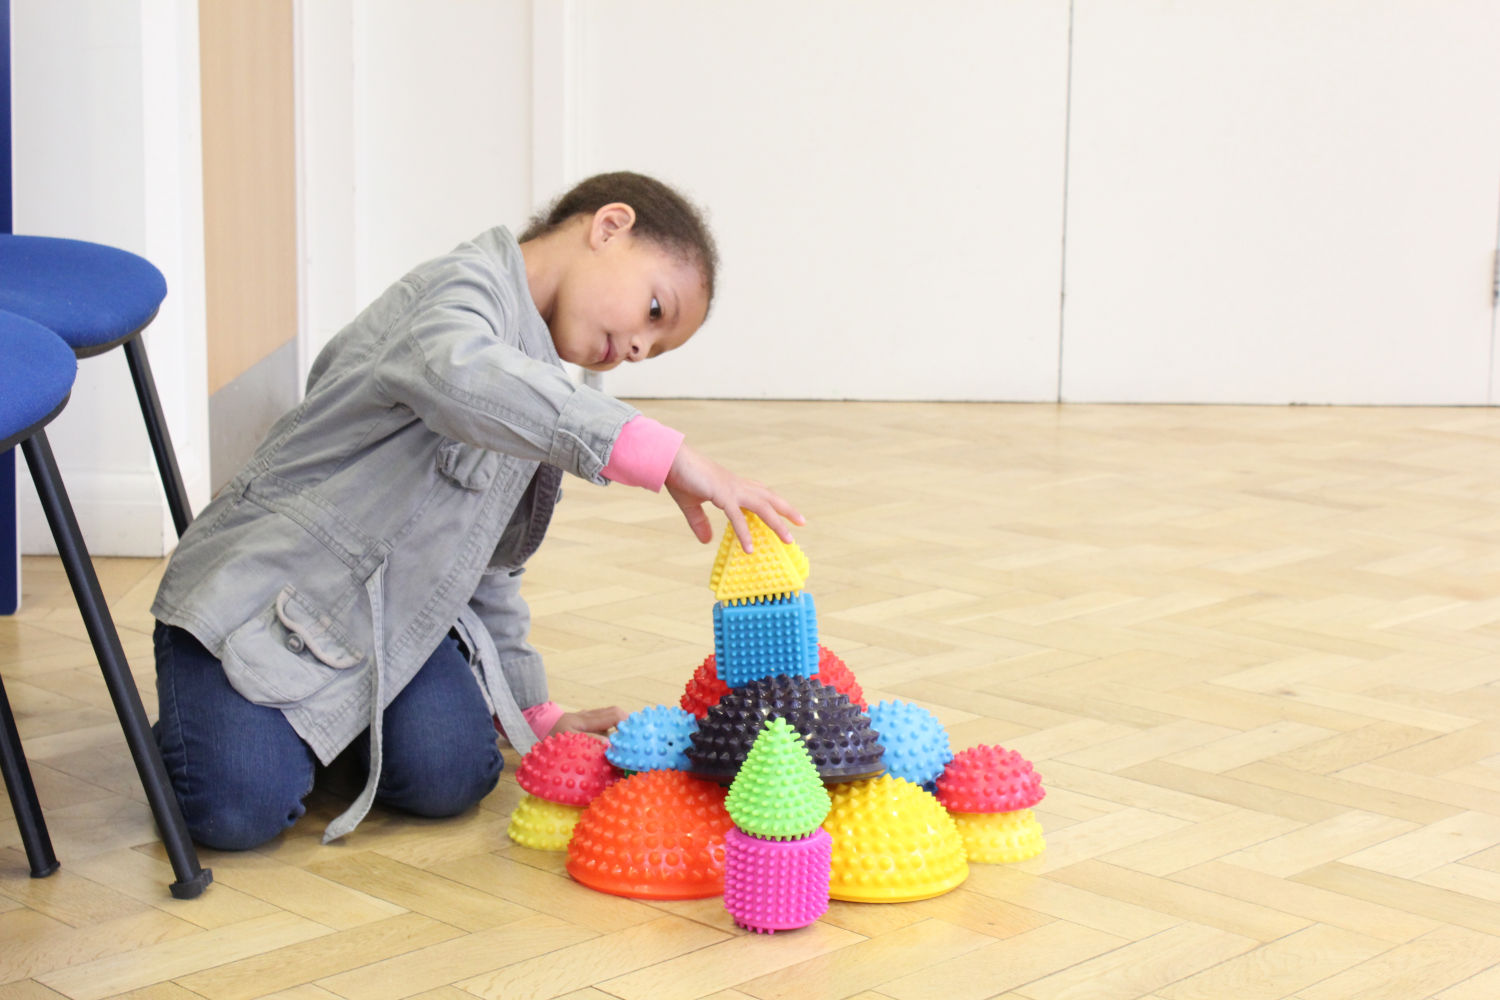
x,y
705,689
567,767
989,779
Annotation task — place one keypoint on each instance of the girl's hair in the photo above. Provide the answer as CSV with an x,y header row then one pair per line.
x,y
661,215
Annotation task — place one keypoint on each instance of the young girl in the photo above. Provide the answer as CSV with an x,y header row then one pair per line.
x,y
358,583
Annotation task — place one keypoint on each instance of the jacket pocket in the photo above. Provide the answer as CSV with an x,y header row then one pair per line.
x,y
470,467
288,652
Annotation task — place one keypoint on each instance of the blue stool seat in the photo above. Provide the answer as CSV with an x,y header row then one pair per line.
x,y
36,379
95,298
37,370
90,295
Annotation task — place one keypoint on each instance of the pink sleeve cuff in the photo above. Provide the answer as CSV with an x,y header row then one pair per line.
x,y
643,453
543,717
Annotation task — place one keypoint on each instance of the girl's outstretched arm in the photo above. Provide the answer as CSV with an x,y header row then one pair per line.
x,y
696,479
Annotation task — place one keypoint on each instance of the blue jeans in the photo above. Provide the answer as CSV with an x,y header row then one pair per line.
x,y
241,772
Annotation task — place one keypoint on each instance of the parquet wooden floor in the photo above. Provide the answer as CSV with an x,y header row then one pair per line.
x,y
1254,652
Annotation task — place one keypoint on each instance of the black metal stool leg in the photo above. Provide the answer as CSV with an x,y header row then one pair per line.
x,y
156,428
23,800
191,879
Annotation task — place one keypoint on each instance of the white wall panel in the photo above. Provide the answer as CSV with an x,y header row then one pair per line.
x,y
884,180
442,106
327,244
1276,201
107,147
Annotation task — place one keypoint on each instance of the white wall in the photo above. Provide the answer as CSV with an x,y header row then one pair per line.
x,y
416,135
1267,202
1250,200
885,180
1282,201
107,148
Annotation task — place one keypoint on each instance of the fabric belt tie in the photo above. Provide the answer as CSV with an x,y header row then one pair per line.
x,y
496,688
350,818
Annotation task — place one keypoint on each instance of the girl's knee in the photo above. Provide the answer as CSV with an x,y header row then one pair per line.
x,y
239,769
232,803
442,786
239,826
239,810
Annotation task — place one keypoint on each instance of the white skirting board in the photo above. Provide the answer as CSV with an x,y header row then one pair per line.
x,y
121,513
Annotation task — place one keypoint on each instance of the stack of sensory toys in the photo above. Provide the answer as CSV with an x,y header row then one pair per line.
x,y
767,657
774,783
777,857
989,791
764,623
561,775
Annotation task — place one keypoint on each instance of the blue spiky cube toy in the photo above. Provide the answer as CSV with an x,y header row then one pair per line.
x,y
766,639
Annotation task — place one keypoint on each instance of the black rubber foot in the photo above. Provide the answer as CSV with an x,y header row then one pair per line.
x,y
193,888
45,871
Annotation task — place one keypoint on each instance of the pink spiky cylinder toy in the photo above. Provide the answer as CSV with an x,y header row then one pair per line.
x,y
776,885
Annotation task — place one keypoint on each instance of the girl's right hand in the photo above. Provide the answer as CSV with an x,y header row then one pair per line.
x,y
696,479
594,721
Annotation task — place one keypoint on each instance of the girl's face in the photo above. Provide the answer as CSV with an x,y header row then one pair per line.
x,y
625,299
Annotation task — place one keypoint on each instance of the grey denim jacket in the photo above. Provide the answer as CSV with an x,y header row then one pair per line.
x,y
400,500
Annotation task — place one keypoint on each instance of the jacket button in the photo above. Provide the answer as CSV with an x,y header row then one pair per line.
x,y
294,643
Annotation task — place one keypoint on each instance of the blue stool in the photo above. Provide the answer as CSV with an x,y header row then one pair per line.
x,y
96,297
36,375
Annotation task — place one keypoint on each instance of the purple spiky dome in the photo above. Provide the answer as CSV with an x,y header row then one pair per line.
x,y
838,736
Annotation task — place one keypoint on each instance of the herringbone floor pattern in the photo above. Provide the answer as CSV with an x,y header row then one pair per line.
x,y
1255,654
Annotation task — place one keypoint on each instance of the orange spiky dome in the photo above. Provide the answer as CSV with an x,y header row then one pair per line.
x,y
892,842
704,688
989,779
542,825
567,767
1000,838
653,835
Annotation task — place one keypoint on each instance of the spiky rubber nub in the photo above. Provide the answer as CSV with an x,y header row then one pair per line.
x,y
566,767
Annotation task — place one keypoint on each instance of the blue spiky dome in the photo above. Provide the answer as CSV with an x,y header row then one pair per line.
x,y
653,739
916,744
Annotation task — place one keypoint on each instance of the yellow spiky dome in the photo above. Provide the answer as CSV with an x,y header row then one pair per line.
x,y
1000,838
892,842
774,569
542,825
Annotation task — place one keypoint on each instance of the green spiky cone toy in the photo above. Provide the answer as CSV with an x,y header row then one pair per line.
x,y
777,794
